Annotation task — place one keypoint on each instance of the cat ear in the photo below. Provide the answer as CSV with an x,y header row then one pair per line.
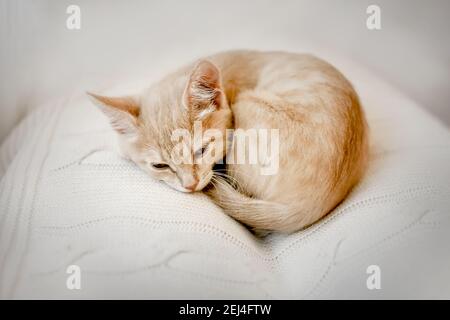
x,y
121,111
203,93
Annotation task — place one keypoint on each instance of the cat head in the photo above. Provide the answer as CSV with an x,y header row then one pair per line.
x,y
176,130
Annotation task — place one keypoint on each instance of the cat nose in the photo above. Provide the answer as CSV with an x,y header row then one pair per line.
x,y
192,185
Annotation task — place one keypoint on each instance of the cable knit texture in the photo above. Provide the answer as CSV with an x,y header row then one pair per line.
x,y
67,198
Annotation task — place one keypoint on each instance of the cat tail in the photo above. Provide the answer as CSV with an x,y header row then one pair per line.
x,y
261,216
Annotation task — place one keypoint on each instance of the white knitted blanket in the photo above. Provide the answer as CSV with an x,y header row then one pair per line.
x,y
67,198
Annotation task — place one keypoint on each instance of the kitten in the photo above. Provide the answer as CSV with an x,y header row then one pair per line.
x,y
322,151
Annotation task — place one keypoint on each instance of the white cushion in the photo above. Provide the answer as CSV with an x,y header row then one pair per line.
x,y
67,198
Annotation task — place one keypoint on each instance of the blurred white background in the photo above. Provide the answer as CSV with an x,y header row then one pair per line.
x,y
40,58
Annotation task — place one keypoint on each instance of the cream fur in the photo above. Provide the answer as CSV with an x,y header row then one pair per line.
x,y
323,133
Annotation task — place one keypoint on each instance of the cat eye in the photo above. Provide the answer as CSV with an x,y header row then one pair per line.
x,y
200,152
160,166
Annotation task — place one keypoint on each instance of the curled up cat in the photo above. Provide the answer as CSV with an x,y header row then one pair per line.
x,y
314,136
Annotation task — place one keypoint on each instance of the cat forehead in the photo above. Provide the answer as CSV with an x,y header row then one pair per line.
x,y
160,110
156,143
150,152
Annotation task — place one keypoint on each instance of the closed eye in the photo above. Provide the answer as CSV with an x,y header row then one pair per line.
x,y
160,166
200,152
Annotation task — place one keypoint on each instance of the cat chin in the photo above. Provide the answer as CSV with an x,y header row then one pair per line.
x,y
200,186
186,190
191,191
181,189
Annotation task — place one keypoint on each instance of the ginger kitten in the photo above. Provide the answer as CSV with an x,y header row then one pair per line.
x,y
322,149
